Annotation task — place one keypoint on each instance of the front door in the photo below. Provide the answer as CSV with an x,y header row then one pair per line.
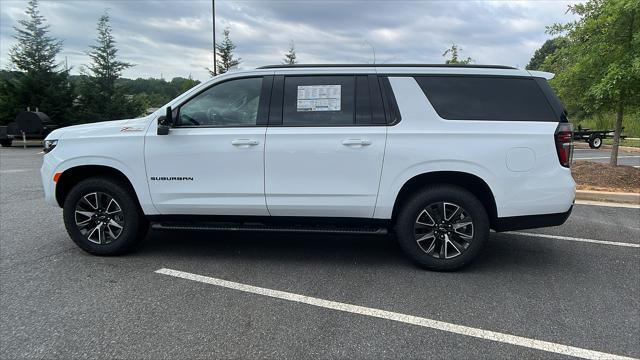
x,y
211,162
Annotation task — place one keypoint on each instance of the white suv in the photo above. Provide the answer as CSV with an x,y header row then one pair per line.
x,y
441,154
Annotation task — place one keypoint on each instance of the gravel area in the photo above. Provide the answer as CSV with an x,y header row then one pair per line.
x,y
590,175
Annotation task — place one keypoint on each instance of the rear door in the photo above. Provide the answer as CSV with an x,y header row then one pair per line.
x,y
324,146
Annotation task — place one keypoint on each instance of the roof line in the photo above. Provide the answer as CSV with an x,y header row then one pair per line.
x,y
286,66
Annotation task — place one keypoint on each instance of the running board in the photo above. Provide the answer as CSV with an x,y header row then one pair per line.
x,y
292,228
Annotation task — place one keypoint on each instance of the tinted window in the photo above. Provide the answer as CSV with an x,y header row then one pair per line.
x,y
553,99
319,101
486,98
231,103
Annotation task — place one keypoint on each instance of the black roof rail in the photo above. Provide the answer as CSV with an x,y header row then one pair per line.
x,y
287,66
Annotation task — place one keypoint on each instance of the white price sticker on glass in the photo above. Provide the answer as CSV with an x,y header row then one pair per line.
x,y
319,98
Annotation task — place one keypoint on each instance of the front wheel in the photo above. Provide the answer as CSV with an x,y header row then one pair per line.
x,y
103,217
442,227
595,142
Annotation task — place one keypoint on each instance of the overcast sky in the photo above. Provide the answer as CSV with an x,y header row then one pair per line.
x,y
173,38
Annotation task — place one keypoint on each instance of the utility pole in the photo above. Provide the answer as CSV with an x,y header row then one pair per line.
x,y
213,22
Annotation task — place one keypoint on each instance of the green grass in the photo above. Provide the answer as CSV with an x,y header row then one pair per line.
x,y
631,123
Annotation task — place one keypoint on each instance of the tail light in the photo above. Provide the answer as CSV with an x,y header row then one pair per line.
x,y
564,143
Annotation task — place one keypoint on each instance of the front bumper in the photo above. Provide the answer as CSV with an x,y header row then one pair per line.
x,y
46,174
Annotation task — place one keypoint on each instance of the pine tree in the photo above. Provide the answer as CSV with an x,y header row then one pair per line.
x,y
39,81
36,51
224,51
290,56
100,98
105,67
453,51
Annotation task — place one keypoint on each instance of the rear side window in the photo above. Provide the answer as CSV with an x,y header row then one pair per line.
x,y
487,98
553,99
319,101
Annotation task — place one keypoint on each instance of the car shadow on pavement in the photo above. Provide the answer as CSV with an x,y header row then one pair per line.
x,y
501,253
272,247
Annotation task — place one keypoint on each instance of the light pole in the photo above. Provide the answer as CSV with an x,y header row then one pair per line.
x,y
213,22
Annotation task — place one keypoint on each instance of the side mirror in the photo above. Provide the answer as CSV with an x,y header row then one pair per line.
x,y
165,122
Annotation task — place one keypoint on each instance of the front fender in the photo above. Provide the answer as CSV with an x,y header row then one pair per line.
x,y
137,177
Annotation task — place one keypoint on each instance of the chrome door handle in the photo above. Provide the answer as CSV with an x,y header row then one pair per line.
x,y
356,142
244,142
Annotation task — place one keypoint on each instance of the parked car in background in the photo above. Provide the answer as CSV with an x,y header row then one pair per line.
x,y
438,154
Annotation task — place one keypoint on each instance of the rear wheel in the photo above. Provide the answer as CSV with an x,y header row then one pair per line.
x,y
103,217
442,227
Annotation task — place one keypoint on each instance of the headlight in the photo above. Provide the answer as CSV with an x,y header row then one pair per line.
x,y
49,145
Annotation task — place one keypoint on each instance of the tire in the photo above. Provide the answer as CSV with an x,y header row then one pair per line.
x,y
6,142
84,210
412,224
595,142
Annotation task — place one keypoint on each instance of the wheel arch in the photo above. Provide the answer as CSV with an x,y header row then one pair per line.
x,y
467,181
72,176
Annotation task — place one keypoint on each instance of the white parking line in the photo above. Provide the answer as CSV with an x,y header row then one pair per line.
x,y
10,171
568,238
608,204
607,157
403,318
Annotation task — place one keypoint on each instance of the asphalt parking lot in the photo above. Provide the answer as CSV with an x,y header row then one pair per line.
x,y
603,156
304,296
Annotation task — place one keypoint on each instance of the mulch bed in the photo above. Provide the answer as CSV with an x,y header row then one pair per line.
x,y
590,175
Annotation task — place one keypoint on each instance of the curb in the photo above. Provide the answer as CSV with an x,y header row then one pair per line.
x,y
630,149
605,196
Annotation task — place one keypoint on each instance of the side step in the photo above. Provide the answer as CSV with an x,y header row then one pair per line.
x,y
291,228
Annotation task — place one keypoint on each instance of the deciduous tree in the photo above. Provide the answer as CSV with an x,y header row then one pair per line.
x,y
548,48
599,68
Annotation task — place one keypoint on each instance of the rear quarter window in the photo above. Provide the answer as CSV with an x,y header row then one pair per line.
x,y
487,98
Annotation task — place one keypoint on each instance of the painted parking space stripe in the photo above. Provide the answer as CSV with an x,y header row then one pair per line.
x,y
403,318
11,171
607,157
569,238
608,204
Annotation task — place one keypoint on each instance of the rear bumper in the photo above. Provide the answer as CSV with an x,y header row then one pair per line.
x,y
531,221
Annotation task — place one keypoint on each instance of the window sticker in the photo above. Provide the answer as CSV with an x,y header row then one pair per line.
x,y
319,98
